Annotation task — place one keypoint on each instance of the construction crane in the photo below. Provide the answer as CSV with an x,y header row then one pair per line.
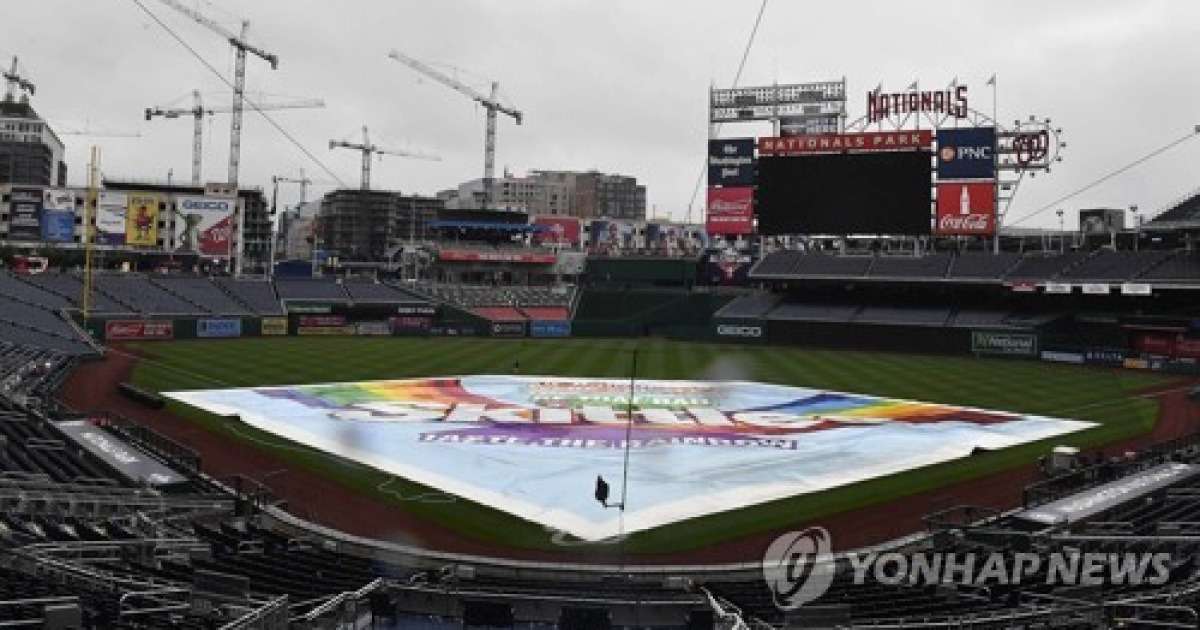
x,y
490,103
239,77
369,149
14,82
99,134
197,111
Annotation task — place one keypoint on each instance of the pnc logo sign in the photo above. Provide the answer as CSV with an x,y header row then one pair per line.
x,y
968,153
731,330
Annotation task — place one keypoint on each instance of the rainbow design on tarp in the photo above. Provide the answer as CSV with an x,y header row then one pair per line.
x,y
532,445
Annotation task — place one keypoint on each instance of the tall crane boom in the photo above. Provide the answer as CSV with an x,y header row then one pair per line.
x,y
369,149
14,82
239,77
489,103
197,111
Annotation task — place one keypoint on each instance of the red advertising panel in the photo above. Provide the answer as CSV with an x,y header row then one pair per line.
x,y
315,321
122,329
846,142
966,208
730,210
452,255
563,230
1167,345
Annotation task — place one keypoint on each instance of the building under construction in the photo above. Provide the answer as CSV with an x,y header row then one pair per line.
x,y
367,225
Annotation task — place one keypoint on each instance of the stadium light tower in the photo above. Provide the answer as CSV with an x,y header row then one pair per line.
x,y
1062,235
1137,225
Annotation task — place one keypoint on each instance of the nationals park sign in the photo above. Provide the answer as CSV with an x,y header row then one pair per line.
x,y
532,446
1007,343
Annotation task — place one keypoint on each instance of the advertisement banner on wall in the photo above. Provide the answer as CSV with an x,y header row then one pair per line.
x,y
741,329
410,322
559,230
141,227
219,327
58,216
274,326
111,210
133,329
731,162
553,328
730,211
25,214
373,329
968,153
314,321
507,329
966,208
203,225
1006,343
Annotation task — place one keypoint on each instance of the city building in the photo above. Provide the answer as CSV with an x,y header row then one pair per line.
x,y
586,195
368,225
30,152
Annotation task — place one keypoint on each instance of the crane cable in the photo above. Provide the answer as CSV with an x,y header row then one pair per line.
x,y
253,105
736,77
1104,178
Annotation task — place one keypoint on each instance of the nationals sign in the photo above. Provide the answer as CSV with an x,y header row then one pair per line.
x,y
532,446
846,142
730,210
966,208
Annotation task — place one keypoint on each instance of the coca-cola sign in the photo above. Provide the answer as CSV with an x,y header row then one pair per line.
x,y
966,208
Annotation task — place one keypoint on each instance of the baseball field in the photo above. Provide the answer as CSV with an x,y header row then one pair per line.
x,y
1121,403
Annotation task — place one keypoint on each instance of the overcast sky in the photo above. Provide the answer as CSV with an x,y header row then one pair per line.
x,y
615,85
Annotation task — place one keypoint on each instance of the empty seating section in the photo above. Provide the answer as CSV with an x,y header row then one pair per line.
x,y
314,289
258,295
1115,266
33,449
1182,266
204,293
911,316
361,291
982,265
467,296
754,306
1043,266
144,296
34,337
781,263
15,288
1186,210
35,318
70,286
830,265
928,266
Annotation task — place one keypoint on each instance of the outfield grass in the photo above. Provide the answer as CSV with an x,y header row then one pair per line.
x,y
1107,397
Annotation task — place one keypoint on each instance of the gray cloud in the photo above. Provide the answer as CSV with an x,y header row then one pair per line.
x,y
618,85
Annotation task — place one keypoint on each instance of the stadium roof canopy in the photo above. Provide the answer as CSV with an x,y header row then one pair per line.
x,y
488,225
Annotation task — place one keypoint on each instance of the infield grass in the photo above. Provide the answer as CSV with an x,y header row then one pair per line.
x,y
1112,398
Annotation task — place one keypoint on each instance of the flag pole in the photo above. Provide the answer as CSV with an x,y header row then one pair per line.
x,y
995,171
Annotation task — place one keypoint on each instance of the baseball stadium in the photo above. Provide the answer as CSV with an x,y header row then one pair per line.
x,y
853,396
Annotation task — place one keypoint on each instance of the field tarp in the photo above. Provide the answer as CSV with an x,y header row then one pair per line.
x,y
533,446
